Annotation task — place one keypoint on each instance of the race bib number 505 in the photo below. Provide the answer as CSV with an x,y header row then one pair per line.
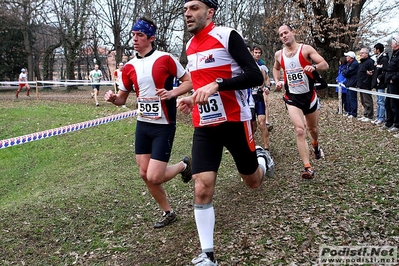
x,y
149,107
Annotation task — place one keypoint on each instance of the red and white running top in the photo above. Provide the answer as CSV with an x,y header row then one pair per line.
x,y
298,81
208,59
155,70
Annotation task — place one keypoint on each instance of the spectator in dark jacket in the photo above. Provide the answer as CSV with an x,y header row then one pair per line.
x,y
364,77
392,80
378,82
350,73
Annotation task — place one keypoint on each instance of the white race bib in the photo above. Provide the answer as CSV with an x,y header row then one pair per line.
x,y
149,107
213,112
295,77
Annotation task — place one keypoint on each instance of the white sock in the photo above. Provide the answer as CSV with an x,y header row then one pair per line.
x,y
205,220
262,164
185,166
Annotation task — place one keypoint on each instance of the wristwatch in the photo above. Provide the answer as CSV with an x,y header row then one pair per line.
x,y
314,65
219,81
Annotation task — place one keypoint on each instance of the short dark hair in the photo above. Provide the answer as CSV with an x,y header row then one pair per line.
x,y
257,48
379,47
290,26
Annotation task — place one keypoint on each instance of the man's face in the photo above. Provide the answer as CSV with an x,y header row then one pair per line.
x,y
349,59
286,35
197,15
141,42
363,54
394,43
257,53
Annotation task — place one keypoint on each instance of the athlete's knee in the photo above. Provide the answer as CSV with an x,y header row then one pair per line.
x,y
262,120
153,179
300,131
255,180
313,130
143,173
203,190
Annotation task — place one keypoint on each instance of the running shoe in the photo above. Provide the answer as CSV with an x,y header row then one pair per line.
x,y
269,126
265,154
186,174
167,219
308,173
318,153
203,260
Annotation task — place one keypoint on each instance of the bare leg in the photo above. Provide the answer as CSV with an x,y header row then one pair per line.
x,y
298,120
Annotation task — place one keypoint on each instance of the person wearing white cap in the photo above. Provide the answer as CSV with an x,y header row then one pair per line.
x,y
350,73
23,78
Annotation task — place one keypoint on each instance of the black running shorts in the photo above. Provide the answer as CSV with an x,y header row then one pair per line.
x,y
208,143
155,139
307,102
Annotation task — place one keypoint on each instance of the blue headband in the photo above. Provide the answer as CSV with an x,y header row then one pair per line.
x,y
144,27
211,3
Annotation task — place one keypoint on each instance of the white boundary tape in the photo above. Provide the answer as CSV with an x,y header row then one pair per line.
x,y
59,83
63,130
389,95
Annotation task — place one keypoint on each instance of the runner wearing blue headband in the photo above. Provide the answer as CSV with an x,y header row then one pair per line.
x,y
145,27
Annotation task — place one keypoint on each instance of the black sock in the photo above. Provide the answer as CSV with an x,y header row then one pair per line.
x,y
211,256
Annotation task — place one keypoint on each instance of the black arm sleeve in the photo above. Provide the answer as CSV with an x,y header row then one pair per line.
x,y
251,76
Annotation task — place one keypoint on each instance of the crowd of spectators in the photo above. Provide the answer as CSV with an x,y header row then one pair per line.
x,y
381,74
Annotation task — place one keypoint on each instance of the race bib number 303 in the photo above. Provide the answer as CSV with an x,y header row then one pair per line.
x,y
212,112
149,107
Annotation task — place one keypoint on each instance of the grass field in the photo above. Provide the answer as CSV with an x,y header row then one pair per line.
x,y
77,199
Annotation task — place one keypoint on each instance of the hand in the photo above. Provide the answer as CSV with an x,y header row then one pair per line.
x,y
202,94
185,105
266,90
164,94
110,96
309,68
279,85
